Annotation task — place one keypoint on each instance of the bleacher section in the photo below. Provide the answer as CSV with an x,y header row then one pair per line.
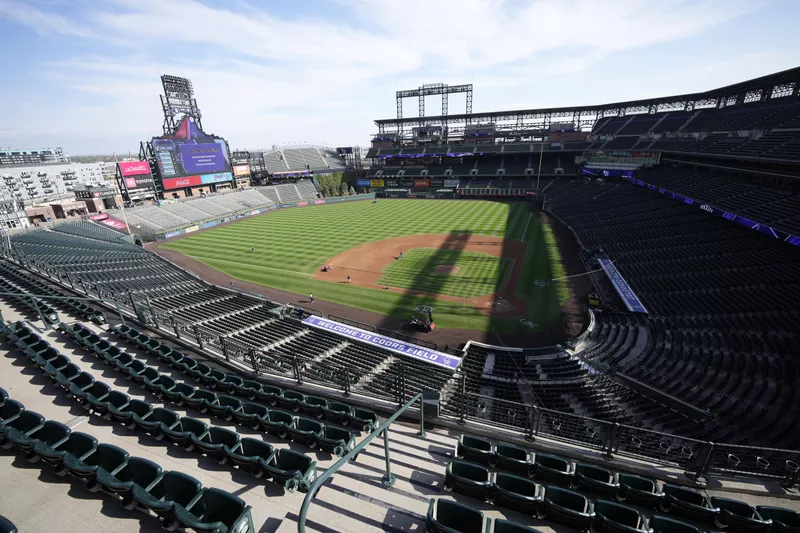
x,y
723,303
185,212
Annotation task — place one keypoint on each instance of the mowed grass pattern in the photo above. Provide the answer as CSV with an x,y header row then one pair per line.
x,y
480,273
290,244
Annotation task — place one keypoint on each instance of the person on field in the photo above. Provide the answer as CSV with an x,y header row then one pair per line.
x,y
311,297
348,279
252,250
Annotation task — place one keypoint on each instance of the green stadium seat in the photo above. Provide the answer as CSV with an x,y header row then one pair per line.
x,y
467,478
171,490
215,511
6,526
595,479
291,400
662,524
114,399
176,393
638,490
739,517
229,382
155,385
516,493
182,432
18,429
157,421
363,419
165,353
136,471
250,453
277,423
213,442
125,413
445,516
688,503
214,378
10,411
512,459
783,520
336,440
37,349
78,445
97,391
247,389
53,367
566,507
551,468
67,374
268,394
199,400
337,412
313,406
614,517
111,355
123,360
224,406
306,430
506,526
81,382
250,414
50,433
140,372
40,359
185,364
106,457
290,468
200,371
474,449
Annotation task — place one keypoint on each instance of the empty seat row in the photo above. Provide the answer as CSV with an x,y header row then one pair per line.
x,y
179,500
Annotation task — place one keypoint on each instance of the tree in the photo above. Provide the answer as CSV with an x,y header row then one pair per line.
x,y
343,189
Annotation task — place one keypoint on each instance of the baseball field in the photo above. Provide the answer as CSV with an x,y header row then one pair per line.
x,y
481,265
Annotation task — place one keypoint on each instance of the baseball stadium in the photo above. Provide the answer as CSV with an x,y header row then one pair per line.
x,y
555,319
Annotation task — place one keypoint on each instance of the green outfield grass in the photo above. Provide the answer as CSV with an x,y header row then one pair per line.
x,y
291,244
480,273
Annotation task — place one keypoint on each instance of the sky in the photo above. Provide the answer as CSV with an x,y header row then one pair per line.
x,y
85,75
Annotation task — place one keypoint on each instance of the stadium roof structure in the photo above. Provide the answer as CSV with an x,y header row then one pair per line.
x,y
784,83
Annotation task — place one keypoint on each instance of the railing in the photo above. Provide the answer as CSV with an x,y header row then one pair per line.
x,y
698,458
388,478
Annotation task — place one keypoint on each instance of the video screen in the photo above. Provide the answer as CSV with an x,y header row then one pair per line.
x,y
190,151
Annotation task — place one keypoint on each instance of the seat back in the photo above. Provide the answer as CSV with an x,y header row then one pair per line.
x,y
293,395
594,472
254,409
141,471
566,498
10,408
276,415
662,524
193,426
552,462
619,513
458,517
507,451
107,456
308,424
780,515
70,371
515,484
139,407
251,447
78,444
685,495
638,483
161,414
98,389
333,432
177,487
476,443
137,366
469,471
286,459
82,380
229,401
203,394
218,435
217,505
117,398
27,421
52,432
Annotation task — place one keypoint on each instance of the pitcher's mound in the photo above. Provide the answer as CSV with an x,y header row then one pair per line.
x,y
447,269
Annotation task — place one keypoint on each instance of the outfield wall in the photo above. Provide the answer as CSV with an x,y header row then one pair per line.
x,y
211,223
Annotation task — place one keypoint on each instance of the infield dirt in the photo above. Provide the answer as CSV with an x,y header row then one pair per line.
x,y
365,264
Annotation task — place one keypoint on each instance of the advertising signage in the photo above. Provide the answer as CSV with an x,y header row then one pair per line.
x,y
241,170
190,151
422,183
139,182
134,168
193,181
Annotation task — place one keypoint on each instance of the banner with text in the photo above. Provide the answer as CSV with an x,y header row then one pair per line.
x,y
624,290
393,345
241,170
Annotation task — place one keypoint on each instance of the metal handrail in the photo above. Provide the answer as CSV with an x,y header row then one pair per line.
x,y
388,478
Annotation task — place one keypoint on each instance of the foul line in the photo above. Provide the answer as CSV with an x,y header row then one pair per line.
x,y
249,265
526,226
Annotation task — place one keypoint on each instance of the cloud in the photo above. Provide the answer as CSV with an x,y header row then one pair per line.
x,y
266,74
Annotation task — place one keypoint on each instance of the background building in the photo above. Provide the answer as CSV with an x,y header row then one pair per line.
x,y
10,156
